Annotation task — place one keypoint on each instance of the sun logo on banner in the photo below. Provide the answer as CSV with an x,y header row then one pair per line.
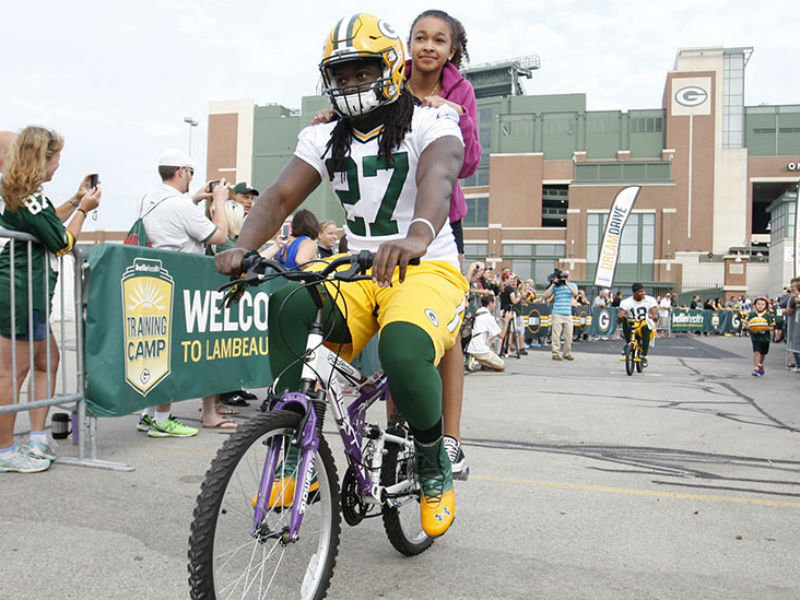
x,y
147,297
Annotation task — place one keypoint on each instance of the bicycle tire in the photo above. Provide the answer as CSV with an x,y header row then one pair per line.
x,y
402,524
630,353
639,364
223,519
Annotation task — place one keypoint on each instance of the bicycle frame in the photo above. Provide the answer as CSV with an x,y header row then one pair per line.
x,y
320,365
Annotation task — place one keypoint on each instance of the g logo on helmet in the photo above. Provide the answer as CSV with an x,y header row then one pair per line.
x,y
691,95
387,29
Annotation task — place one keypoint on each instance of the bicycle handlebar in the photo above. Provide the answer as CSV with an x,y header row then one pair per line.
x,y
254,266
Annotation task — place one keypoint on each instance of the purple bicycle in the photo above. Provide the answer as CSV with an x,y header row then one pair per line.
x,y
267,521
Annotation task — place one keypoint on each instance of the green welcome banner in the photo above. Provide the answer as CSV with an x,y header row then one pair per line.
x,y
156,333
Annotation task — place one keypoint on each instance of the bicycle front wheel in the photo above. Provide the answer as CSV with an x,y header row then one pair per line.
x,y
630,355
226,558
639,363
402,522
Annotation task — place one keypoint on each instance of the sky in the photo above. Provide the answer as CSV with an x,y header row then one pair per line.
x,y
117,79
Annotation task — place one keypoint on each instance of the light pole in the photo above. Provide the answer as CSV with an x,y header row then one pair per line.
x,y
192,123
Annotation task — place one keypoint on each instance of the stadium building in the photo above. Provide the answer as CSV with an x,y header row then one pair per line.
x,y
718,179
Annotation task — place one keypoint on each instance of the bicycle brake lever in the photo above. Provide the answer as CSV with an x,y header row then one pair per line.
x,y
234,289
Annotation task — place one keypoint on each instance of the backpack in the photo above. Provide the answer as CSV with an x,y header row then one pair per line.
x,y
467,323
137,236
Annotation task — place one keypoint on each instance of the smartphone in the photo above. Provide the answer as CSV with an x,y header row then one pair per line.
x,y
286,230
212,185
94,180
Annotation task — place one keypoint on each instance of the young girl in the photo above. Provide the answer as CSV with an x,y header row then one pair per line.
x,y
436,45
760,323
32,161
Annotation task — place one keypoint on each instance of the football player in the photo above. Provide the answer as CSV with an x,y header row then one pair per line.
x,y
393,166
641,308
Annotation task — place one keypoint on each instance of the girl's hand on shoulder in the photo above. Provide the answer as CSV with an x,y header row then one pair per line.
x,y
437,101
323,116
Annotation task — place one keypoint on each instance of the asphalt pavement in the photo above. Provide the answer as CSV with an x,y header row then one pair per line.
x,y
681,482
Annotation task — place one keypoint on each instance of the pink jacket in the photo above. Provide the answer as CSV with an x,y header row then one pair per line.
x,y
458,90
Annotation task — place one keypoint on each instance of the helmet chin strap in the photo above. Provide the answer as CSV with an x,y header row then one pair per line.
x,y
357,104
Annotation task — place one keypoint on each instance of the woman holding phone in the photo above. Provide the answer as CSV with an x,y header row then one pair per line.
x,y
32,161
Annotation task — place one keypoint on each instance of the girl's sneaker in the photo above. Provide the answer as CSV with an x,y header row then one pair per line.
x,y
43,450
20,461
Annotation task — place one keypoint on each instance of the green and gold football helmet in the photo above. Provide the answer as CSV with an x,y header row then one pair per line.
x,y
359,37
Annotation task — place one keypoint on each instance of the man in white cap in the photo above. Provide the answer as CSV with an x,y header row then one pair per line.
x,y
173,221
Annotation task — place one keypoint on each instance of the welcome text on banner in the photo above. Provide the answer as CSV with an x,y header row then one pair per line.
x,y
156,333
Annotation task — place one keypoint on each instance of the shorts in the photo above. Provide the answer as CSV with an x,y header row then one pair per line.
x,y
40,328
432,297
490,360
760,346
458,234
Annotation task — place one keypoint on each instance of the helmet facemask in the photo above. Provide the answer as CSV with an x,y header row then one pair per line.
x,y
361,98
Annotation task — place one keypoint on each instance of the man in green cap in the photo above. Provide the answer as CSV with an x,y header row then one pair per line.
x,y
244,195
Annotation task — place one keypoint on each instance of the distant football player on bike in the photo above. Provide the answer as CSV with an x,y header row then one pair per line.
x,y
639,307
393,166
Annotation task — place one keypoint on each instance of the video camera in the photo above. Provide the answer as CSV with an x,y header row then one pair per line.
x,y
556,277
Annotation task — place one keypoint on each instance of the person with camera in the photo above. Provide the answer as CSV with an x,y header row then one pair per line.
x,y
510,299
173,220
485,328
27,345
562,292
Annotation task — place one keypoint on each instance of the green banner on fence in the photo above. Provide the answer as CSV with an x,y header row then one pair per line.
x,y
604,321
538,319
689,320
155,332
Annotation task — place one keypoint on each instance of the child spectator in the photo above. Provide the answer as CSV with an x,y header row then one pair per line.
x,y
760,323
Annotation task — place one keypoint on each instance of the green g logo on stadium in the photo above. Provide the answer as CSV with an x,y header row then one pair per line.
x,y
147,298
691,95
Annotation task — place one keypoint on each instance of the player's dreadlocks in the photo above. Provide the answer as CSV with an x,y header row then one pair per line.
x,y
395,126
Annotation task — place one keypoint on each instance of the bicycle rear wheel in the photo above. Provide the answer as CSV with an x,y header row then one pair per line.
x,y
402,523
630,354
226,560
639,363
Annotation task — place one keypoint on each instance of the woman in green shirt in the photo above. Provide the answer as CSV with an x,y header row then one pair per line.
x,y
31,161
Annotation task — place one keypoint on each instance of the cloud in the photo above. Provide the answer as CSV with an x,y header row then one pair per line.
x,y
117,79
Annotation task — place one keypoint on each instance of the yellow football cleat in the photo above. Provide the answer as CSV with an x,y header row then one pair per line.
x,y
437,513
437,506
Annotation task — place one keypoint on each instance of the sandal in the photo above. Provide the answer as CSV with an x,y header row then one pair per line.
x,y
225,425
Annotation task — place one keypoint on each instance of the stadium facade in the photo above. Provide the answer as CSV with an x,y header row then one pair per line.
x,y
718,179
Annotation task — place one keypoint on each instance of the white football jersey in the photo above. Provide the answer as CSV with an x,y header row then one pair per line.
x,y
641,309
378,197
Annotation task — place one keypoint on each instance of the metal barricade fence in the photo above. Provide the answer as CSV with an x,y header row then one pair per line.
x,y
66,325
792,338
